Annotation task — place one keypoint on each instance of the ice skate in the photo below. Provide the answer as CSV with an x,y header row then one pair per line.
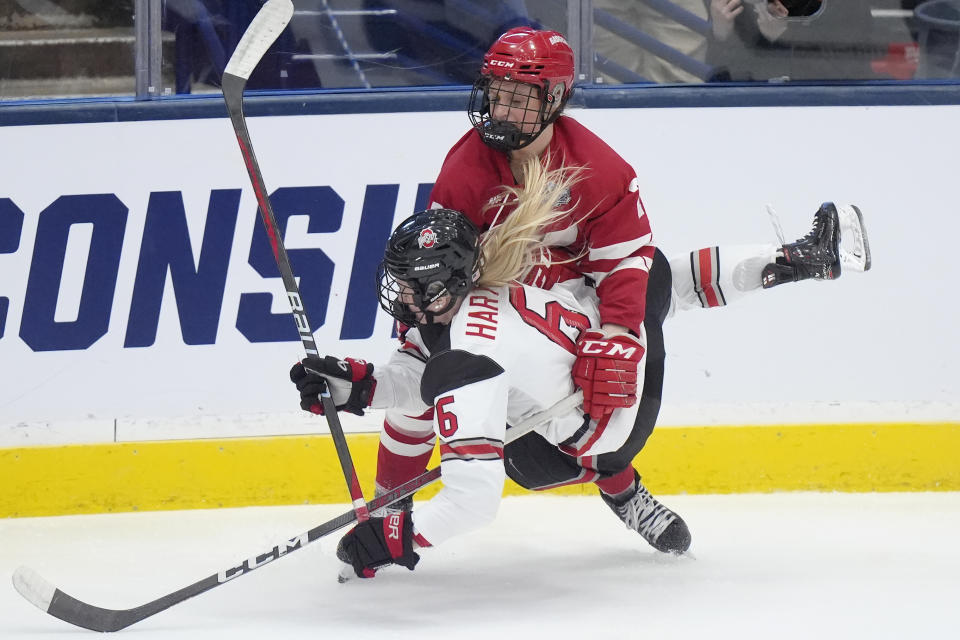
x,y
662,528
816,255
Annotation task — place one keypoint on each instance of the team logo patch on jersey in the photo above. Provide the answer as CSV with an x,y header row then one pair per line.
x,y
427,238
563,198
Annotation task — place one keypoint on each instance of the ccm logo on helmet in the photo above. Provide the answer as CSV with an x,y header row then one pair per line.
x,y
427,238
603,348
558,38
501,63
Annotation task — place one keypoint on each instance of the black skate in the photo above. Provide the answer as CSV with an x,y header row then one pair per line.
x,y
661,527
816,255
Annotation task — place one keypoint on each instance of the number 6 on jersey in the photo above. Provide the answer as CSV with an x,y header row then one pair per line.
x,y
447,420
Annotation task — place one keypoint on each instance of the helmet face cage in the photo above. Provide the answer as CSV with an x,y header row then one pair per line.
x,y
397,296
503,135
431,255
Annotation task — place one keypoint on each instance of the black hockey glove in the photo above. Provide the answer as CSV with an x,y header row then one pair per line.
x,y
379,542
351,383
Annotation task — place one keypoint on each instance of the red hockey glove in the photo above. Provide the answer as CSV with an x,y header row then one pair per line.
x,y
379,542
351,383
606,370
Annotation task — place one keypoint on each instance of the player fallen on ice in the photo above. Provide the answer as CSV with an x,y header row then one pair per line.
x,y
485,352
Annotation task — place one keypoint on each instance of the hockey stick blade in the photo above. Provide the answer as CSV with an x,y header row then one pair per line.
x,y
263,31
46,597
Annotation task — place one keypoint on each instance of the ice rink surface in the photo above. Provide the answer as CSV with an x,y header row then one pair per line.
x,y
787,565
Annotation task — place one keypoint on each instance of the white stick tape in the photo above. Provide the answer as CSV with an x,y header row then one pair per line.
x,y
266,27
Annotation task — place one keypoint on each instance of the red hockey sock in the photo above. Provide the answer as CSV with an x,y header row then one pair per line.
x,y
618,486
404,452
393,469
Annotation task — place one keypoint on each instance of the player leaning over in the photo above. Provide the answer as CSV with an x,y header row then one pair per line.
x,y
516,110
499,353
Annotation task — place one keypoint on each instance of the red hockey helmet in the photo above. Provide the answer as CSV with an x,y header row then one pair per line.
x,y
541,59
535,57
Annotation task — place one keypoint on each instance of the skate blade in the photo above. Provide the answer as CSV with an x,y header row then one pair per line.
x,y
853,231
670,557
775,221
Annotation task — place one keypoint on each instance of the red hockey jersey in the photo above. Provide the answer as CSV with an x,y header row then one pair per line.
x,y
616,231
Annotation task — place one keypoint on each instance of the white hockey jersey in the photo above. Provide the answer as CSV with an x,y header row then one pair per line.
x,y
507,355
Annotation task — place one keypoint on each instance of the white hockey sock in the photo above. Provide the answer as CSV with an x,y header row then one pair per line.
x,y
717,276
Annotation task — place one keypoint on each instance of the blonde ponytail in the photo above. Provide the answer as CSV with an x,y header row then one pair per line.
x,y
511,248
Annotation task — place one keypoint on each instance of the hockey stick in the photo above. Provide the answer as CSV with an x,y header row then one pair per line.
x,y
266,26
52,600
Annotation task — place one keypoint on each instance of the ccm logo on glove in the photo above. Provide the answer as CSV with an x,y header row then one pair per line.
x,y
606,370
608,348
